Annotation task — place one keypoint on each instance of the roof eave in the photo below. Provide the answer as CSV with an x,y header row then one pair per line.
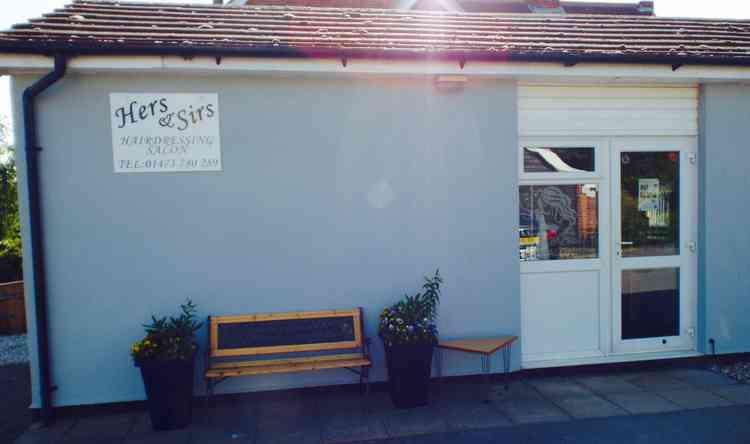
x,y
568,59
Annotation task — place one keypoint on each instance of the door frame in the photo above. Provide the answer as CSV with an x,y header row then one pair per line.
x,y
686,260
601,264
607,175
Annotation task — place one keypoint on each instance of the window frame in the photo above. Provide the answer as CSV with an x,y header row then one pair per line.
x,y
555,176
601,161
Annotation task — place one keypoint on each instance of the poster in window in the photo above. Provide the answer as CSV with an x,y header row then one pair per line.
x,y
648,194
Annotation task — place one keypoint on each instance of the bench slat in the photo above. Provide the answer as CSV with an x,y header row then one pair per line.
x,y
287,367
277,349
267,362
260,317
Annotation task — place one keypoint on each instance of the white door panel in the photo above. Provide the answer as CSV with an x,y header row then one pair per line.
x,y
654,229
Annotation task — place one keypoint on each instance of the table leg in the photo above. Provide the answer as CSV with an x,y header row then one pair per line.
x,y
506,364
486,370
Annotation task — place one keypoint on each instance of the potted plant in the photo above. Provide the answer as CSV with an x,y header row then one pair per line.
x,y
409,335
166,357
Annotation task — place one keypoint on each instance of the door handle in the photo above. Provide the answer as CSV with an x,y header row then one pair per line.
x,y
627,243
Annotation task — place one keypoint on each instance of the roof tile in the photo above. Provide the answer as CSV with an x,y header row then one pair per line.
x,y
110,27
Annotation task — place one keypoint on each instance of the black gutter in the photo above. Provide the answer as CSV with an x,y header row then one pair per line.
x,y
567,58
35,230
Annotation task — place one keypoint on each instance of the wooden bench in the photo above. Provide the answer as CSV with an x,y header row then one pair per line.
x,y
264,344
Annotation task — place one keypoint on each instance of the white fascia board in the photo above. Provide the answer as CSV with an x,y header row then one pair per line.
x,y
543,72
16,64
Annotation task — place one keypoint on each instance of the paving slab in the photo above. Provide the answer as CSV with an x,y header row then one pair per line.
x,y
463,391
46,435
211,435
655,381
701,377
228,417
580,407
281,413
694,398
337,402
559,387
608,384
525,411
353,426
474,414
300,433
100,428
160,437
517,390
738,394
644,402
415,421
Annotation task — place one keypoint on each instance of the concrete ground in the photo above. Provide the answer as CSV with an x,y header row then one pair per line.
x,y
643,407
15,416
725,425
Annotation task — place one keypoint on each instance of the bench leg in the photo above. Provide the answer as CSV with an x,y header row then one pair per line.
x,y
364,380
210,384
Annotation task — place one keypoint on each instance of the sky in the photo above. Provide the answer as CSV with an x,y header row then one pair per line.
x,y
20,11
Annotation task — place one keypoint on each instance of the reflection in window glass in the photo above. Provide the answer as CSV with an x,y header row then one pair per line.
x,y
650,303
558,222
558,160
650,203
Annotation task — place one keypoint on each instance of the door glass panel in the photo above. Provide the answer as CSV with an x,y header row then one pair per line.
x,y
649,193
558,160
558,222
650,303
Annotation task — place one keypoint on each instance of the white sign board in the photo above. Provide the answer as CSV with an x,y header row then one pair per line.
x,y
165,132
648,194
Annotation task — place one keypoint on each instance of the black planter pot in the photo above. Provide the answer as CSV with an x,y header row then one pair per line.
x,y
409,368
169,389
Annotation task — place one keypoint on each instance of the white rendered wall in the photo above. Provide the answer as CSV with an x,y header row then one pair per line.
x,y
336,193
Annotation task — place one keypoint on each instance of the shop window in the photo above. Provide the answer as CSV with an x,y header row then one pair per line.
x,y
650,210
558,222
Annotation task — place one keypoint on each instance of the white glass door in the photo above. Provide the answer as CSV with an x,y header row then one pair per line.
x,y
654,266
564,249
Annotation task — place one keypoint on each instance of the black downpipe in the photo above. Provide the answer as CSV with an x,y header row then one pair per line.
x,y
35,230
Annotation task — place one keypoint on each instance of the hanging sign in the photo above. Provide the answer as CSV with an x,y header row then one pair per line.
x,y
165,132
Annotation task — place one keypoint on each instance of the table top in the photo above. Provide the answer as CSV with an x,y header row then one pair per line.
x,y
485,346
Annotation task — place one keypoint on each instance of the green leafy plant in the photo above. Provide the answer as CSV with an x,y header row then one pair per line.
x,y
413,319
10,226
168,338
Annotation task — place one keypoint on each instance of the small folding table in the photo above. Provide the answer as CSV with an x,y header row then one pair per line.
x,y
485,348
